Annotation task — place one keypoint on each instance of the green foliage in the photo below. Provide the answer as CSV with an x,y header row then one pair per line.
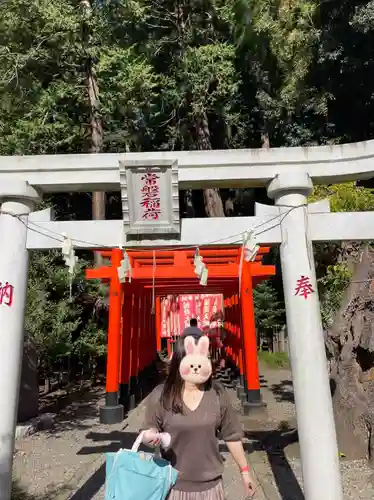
x,y
278,42
162,68
64,328
209,77
190,47
45,50
274,359
345,197
179,75
292,36
335,277
269,310
363,19
169,73
331,289
41,83
128,87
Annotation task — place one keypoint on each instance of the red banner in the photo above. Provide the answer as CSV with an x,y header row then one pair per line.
x,y
176,312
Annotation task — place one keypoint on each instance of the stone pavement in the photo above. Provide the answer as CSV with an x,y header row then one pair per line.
x,y
67,462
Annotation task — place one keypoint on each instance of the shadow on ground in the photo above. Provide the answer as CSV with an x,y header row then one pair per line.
x,y
19,493
273,443
91,487
283,391
116,440
77,411
263,381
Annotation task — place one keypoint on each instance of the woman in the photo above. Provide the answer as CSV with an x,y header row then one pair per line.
x,y
195,411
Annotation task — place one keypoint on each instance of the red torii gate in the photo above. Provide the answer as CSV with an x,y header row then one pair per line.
x,y
134,333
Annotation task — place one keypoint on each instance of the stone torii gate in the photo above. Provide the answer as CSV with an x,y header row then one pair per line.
x,y
288,174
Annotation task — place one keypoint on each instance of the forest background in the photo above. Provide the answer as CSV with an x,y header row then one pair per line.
x,y
84,76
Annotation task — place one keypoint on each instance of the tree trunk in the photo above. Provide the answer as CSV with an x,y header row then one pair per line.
x,y
282,338
212,197
98,197
96,126
213,203
265,141
350,349
188,204
98,213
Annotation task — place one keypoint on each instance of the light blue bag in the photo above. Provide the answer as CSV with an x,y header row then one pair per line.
x,y
133,475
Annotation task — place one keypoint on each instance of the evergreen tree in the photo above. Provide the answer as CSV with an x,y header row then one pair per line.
x,y
84,76
67,323
55,58
269,310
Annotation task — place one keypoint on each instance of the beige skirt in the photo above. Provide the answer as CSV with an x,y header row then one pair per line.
x,y
215,493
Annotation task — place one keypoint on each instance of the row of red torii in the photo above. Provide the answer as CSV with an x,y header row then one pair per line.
x,y
134,334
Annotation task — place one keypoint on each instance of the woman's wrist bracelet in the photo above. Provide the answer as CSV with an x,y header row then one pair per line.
x,y
244,469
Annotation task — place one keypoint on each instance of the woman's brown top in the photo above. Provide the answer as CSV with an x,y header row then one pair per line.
x,y
194,434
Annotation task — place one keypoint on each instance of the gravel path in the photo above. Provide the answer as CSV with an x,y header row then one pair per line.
x,y
67,462
54,461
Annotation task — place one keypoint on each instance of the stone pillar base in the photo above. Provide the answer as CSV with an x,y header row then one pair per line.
x,y
252,402
124,396
252,408
110,415
132,402
240,391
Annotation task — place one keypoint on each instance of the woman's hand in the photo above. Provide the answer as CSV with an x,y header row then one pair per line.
x,y
237,451
249,484
152,437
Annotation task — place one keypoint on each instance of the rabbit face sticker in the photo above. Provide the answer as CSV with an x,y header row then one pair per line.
x,y
196,367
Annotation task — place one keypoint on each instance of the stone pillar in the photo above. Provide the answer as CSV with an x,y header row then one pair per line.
x,y
315,418
16,198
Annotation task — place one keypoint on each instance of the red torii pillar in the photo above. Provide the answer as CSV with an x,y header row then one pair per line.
x,y
131,343
158,324
252,393
112,412
241,346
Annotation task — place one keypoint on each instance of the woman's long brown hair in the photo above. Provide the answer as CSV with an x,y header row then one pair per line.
x,y
171,397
